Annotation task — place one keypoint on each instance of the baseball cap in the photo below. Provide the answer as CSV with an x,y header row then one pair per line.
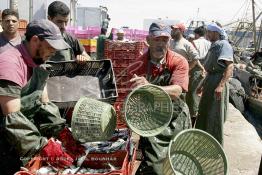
x,y
48,31
157,29
179,26
120,31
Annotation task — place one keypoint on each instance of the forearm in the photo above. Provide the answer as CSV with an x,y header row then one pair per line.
x,y
86,55
227,74
192,64
173,90
200,65
9,104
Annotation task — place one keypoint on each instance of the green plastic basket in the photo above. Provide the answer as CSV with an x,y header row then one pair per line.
x,y
148,110
195,152
93,120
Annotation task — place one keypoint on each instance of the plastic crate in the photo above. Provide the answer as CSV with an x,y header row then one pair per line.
x,y
22,24
116,45
90,48
121,123
99,69
120,72
101,161
124,63
122,54
88,42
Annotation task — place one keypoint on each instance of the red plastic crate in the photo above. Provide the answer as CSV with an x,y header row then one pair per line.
x,y
124,63
120,72
121,123
122,54
90,48
101,160
116,45
122,81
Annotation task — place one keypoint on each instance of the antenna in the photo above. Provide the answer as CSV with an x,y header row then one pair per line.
x,y
197,14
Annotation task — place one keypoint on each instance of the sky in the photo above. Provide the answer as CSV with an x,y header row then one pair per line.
x,y
132,12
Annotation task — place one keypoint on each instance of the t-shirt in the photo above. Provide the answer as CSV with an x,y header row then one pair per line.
x,y
175,63
16,65
202,46
5,44
219,52
71,53
184,48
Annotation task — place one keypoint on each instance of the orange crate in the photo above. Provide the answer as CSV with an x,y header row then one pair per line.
x,y
22,23
101,161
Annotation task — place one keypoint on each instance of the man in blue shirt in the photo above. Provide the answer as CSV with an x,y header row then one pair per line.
x,y
214,100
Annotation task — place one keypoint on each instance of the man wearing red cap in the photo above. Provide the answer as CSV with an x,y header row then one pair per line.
x,y
182,46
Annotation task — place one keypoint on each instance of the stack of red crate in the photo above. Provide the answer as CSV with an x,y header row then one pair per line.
x,y
122,54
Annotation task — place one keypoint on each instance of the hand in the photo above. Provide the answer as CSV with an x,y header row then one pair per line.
x,y
199,91
138,81
203,73
218,92
81,58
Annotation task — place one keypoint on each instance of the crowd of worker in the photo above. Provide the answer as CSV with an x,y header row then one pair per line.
x,y
194,71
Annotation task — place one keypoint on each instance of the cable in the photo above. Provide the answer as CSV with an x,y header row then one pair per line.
x,y
239,10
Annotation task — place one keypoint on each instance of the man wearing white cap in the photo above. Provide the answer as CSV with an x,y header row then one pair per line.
x,y
121,35
214,100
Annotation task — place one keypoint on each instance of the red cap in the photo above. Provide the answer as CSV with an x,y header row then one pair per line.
x,y
179,26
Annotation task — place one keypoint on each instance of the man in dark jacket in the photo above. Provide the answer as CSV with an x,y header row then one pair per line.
x,y
58,13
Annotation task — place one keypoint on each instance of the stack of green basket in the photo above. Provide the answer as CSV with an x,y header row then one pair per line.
x,y
195,152
93,120
148,110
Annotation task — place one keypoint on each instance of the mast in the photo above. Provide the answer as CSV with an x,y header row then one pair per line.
x,y
254,25
73,4
13,4
30,10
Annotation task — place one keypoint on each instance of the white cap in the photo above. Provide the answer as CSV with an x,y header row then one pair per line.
x,y
191,36
120,31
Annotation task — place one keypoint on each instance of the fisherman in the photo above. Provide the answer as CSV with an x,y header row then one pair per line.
x,y
169,70
58,13
191,37
120,35
198,72
101,44
9,37
214,101
28,118
182,46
